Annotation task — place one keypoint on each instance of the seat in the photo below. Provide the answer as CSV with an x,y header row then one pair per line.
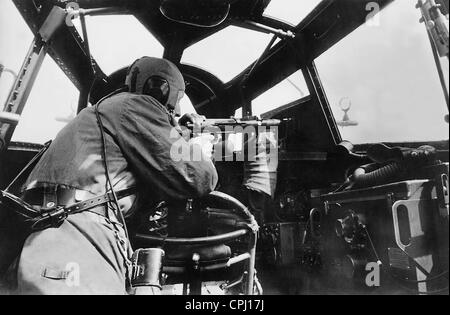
x,y
207,254
218,258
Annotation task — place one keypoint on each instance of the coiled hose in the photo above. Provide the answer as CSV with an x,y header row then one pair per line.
x,y
364,177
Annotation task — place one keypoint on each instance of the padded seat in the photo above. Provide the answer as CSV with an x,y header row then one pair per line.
x,y
208,254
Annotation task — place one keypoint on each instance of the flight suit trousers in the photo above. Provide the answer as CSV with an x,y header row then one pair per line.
x,y
82,257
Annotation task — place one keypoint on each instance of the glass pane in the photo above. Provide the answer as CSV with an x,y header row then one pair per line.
x,y
288,91
15,40
53,98
386,72
117,41
290,11
227,53
186,106
52,104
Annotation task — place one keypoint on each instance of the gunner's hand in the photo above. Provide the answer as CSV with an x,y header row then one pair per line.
x,y
206,142
194,120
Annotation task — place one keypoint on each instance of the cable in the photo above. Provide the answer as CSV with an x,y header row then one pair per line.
x,y
398,281
434,278
108,178
104,153
428,280
372,245
100,123
418,266
29,166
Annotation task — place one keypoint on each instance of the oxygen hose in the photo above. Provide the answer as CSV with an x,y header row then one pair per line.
x,y
391,164
363,177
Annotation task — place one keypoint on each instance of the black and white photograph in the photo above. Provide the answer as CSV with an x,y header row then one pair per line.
x,y
220,152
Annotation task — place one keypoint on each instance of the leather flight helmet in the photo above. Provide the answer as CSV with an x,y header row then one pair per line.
x,y
159,78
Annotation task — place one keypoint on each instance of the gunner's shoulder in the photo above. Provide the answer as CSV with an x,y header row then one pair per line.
x,y
131,100
124,97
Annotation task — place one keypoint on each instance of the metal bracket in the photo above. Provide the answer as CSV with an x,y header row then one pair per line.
x,y
3,69
9,118
283,34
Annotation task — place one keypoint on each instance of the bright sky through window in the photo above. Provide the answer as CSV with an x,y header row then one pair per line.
x,y
289,12
354,68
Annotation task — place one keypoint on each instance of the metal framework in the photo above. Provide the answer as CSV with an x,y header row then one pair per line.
x,y
21,90
299,46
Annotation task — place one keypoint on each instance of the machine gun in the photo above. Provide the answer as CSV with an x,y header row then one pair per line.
x,y
222,128
438,29
228,123
437,25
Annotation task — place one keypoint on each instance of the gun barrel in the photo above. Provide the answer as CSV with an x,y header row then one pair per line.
x,y
223,125
239,122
